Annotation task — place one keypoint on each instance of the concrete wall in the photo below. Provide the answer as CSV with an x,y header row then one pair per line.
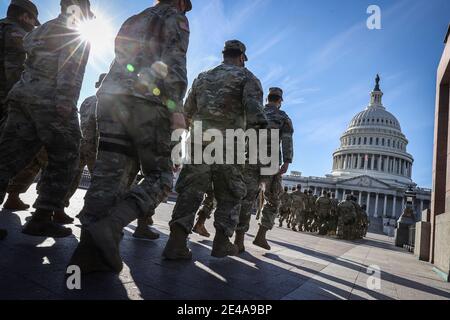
x,y
442,243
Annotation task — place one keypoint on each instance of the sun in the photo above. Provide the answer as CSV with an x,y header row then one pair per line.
x,y
99,33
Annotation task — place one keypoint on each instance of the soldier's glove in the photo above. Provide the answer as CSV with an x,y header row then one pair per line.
x,y
284,168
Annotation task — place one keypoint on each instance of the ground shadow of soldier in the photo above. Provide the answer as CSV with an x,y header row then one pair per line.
x,y
41,264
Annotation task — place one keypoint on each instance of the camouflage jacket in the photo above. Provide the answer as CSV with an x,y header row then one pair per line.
x,y
347,212
54,67
286,200
323,206
278,119
150,60
12,54
88,120
334,206
299,200
226,97
310,203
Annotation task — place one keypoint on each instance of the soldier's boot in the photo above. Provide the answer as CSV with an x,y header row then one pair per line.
x,y
176,247
14,203
294,228
143,232
281,223
289,225
41,225
108,233
222,247
3,234
261,240
62,218
239,241
88,257
200,228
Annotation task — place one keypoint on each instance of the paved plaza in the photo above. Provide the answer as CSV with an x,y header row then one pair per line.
x,y
299,267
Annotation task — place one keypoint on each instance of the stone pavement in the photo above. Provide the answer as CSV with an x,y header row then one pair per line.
x,y
300,267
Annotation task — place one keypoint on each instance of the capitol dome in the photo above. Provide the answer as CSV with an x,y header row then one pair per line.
x,y
374,145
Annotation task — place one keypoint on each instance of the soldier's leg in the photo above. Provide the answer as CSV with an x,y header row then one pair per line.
x,y
22,182
274,188
193,183
207,207
252,182
61,140
19,145
230,189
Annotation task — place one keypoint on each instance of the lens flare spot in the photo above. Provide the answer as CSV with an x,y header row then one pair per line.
x,y
171,105
156,92
130,67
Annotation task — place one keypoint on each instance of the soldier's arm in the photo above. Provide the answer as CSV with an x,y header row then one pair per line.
x,y
190,106
14,56
174,49
287,134
253,103
72,61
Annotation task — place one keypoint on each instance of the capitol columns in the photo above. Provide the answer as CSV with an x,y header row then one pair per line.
x,y
368,203
385,206
375,215
394,207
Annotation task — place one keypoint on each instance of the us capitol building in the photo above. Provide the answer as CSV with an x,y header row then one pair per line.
x,y
372,163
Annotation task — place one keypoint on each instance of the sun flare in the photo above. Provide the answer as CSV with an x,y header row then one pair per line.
x,y
99,33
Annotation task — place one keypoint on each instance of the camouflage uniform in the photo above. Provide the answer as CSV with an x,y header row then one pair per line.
x,y
12,58
89,143
298,207
333,216
310,212
286,207
43,106
252,179
323,209
278,120
347,218
208,205
221,98
134,109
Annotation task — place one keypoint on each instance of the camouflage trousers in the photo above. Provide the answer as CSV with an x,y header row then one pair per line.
x,y
299,218
134,133
208,205
252,179
28,129
25,178
272,194
87,158
229,190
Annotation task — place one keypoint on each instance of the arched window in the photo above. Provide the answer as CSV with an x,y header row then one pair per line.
x,y
383,142
359,140
371,141
377,141
365,140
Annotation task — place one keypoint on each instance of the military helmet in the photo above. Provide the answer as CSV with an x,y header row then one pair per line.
x,y
235,45
277,92
299,187
188,4
28,6
286,189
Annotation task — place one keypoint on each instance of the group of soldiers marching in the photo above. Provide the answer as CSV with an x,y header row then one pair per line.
x,y
305,212
126,129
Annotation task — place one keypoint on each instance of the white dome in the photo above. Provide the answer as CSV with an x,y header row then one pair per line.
x,y
374,144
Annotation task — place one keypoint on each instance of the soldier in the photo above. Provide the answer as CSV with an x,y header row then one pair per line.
x,y
22,17
88,149
323,210
310,208
208,206
222,98
347,218
291,210
43,113
139,102
364,222
299,206
286,204
333,215
278,120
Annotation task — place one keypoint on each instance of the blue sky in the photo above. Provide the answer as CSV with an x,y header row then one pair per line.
x,y
322,54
